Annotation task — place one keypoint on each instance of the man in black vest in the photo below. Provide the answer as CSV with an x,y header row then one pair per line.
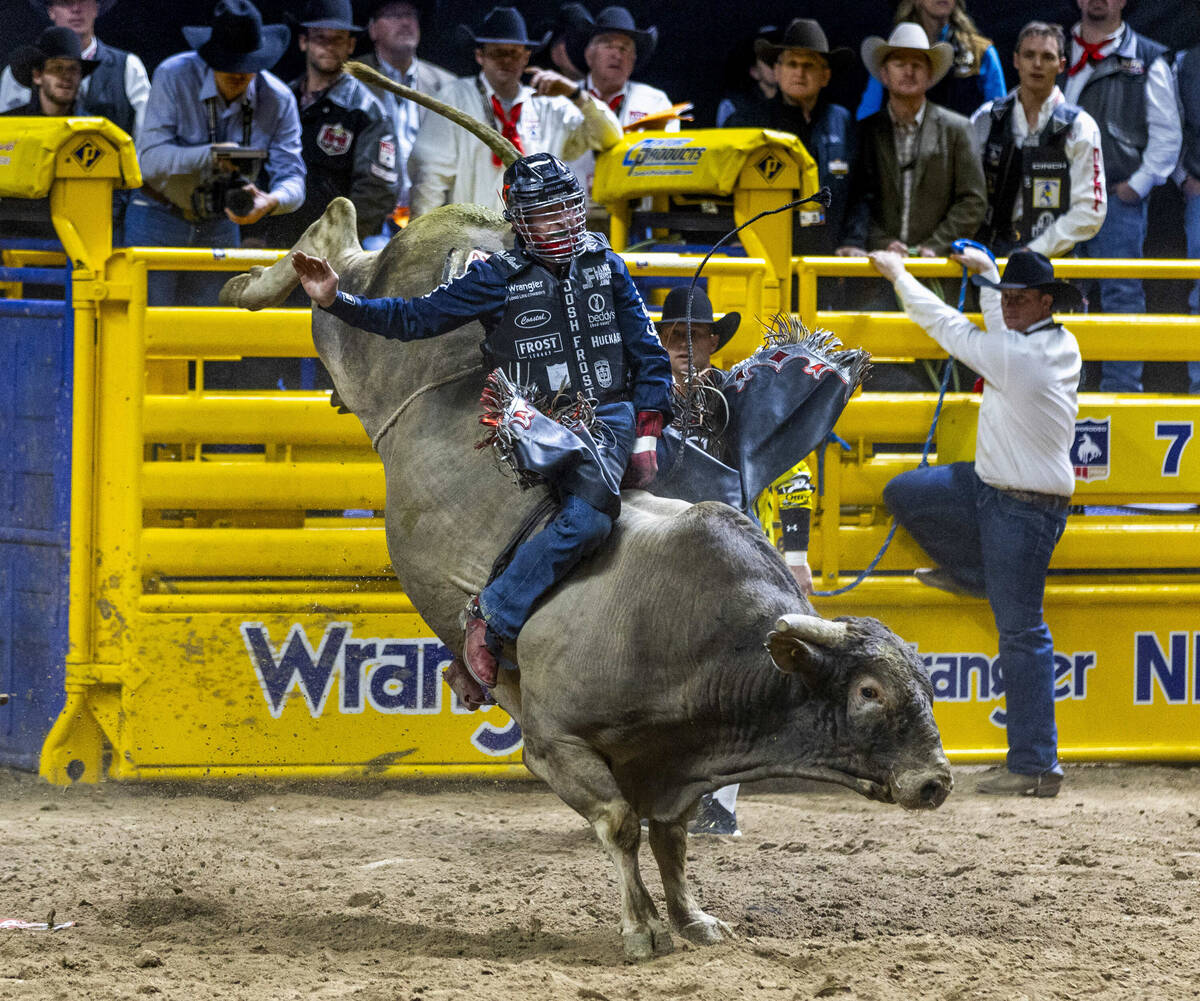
x,y
348,142
52,70
1122,80
1187,77
118,89
1041,156
561,315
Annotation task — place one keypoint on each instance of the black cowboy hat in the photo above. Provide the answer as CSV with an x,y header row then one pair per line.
x,y
104,6
803,33
337,15
423,7
1029,269
236,40
53,43
502,26
675,311
612,20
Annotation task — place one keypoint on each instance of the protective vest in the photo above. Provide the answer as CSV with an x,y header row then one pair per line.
x,y
1189,99
1115,95
106,88
561,333
1039,175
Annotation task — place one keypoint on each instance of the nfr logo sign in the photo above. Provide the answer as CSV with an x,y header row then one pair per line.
x,y
1089,450
391,676
1168,671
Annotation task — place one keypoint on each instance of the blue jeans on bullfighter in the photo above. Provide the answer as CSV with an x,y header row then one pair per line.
x,y
1122,235
576,532
994,543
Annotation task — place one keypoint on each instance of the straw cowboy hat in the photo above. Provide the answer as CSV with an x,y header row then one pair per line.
x,y
675,310
236,41
803,33
912,37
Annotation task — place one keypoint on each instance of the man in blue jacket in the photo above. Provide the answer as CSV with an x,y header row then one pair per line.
x,y
560,313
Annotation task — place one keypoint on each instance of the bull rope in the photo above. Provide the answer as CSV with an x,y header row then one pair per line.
x,y
436,384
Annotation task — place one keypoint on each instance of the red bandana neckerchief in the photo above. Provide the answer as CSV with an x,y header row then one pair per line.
x,y
508,126
1091,53
614,104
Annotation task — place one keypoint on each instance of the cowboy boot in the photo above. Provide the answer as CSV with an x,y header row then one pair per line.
x,y
477,653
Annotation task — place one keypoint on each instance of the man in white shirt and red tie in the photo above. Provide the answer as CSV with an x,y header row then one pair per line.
x,y
1121,79
548,114
613,48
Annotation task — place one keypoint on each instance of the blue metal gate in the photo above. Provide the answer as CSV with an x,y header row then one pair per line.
x,y
36,341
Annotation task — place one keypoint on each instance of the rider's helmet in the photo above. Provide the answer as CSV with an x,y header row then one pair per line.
x,y
544,201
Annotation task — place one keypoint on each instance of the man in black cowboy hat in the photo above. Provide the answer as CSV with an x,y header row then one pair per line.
x,y
52,70
348,145
784,509
216,119
992,524
547,114
117,89
804,65
613,48
394,27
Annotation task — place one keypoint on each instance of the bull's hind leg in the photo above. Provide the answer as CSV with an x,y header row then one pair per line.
x,y
584,782
668,841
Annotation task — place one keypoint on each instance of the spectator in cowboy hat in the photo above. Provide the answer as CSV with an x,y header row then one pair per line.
x,y
919,183
749,82
548,114
572,19
347,142
394,27
117,89
613,48
208,109
52,70
803,65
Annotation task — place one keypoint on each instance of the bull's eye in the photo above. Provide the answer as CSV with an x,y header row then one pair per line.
x,y
869,693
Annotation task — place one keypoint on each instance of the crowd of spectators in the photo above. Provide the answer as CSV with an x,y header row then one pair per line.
x,y
937,148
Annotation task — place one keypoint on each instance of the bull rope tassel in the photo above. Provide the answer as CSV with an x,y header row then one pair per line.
x,y
937,413
824,196
505,150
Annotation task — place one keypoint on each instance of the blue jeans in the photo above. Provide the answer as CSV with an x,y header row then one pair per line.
x,y
149,224
991,542
1191,222
576,532
1122,235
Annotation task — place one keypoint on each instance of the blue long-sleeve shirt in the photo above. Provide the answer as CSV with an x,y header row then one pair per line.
x,y
173,146
481,293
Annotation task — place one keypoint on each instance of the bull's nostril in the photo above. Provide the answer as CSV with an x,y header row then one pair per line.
x,y
933,793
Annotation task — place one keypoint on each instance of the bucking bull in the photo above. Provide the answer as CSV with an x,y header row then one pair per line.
x,y
680,658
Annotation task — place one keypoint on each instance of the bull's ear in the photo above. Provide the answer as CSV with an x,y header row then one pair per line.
x,y
793,655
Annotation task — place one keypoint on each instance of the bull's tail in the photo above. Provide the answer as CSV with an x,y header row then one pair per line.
x,y
333,236
484,133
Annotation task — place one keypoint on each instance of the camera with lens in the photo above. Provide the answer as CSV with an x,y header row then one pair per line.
x,y
231,171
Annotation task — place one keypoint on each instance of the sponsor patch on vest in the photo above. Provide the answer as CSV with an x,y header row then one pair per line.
x,y
529,348
601,319
334,139
595,302
601,274
526,290
603,373
1047,193
531,319
1134,66
839,167
387,153
1090,449
612,337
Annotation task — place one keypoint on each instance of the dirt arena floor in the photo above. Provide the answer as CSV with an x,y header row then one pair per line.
x,y
391,893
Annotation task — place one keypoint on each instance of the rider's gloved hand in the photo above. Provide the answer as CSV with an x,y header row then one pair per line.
x,y
643,463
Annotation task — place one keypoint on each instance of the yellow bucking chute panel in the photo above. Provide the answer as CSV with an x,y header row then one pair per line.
x,y
703,161
34,151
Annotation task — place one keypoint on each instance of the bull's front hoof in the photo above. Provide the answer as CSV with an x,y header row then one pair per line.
x,y
648,941
706,930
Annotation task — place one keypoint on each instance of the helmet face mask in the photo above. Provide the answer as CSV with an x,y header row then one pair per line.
x,y
546,206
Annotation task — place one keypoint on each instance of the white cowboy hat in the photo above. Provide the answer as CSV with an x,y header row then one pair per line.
x,y
907,35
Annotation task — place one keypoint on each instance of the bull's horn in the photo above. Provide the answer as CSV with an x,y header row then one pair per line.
x,y
813,629
486,134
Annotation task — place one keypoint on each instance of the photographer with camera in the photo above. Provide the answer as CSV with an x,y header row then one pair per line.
x,y
216,120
